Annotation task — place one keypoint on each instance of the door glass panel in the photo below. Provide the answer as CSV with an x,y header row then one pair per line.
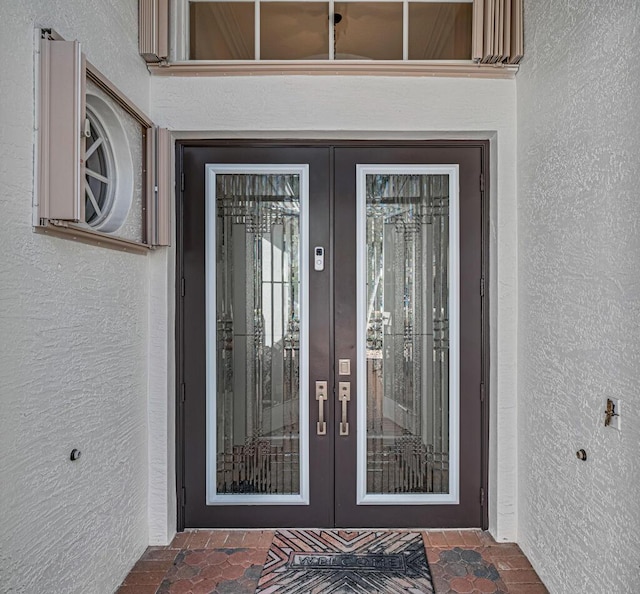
x,y
440,30
258,303
294,30
368,31
222,30
405,320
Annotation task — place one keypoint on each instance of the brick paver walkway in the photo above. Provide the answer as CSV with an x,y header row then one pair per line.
x,y
230,562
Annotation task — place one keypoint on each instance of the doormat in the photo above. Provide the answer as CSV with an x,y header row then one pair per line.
x,y
345,561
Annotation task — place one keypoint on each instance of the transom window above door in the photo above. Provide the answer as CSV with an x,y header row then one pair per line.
x,y
473,38
309,30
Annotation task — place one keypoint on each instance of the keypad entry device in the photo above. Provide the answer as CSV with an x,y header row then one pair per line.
x,y
318,258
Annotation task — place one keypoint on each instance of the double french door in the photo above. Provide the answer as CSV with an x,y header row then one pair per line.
x,y
330,335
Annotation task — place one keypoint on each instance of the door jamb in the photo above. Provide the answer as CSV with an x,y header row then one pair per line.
x,y
180,391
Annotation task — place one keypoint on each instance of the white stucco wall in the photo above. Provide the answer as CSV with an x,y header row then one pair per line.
x,y
579,294
162,502
74,333
379,107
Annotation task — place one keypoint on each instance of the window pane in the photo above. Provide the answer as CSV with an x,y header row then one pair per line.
x,y
222,31
368,30
440,31
294,31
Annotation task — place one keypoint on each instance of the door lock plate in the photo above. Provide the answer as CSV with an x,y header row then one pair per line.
x,y
344,367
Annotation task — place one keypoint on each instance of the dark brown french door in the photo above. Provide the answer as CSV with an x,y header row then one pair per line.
x,y
330,335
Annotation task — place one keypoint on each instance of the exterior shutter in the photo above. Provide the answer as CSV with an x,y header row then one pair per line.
x,y
61,142
153,29
517,32
158,187
498,31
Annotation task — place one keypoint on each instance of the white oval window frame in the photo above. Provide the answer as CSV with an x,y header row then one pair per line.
x,y
119,203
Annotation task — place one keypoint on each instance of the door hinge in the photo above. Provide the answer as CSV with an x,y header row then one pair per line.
x,y
182,287
481,496
482,392
182,181
482,182
482,286
183,393
183,497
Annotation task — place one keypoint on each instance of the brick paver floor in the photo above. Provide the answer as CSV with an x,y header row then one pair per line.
x,y
230,562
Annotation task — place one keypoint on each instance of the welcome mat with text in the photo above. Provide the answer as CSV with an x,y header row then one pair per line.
x,y
345,561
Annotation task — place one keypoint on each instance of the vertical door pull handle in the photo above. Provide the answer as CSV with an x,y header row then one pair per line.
x,y
321,397
344,396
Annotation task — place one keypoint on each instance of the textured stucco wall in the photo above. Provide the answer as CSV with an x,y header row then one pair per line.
x,y
74,330
579,293
379,107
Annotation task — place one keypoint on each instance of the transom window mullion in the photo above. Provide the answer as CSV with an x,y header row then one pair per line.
x,y
257,29
405,30
332,31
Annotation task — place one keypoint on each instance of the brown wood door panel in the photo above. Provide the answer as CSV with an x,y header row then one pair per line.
x,y
332,325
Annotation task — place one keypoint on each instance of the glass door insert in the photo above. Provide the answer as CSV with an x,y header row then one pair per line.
x,y
407,334
256,334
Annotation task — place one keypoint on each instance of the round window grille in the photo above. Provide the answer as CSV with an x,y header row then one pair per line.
x,y
99,170
108,168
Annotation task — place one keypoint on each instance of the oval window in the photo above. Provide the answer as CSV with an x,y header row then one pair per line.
x,y
108,169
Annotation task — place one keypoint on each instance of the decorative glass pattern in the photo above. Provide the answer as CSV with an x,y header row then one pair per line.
x,y
407,333
258,334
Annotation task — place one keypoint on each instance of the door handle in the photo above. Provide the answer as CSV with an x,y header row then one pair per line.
x,y
344,396
321,397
